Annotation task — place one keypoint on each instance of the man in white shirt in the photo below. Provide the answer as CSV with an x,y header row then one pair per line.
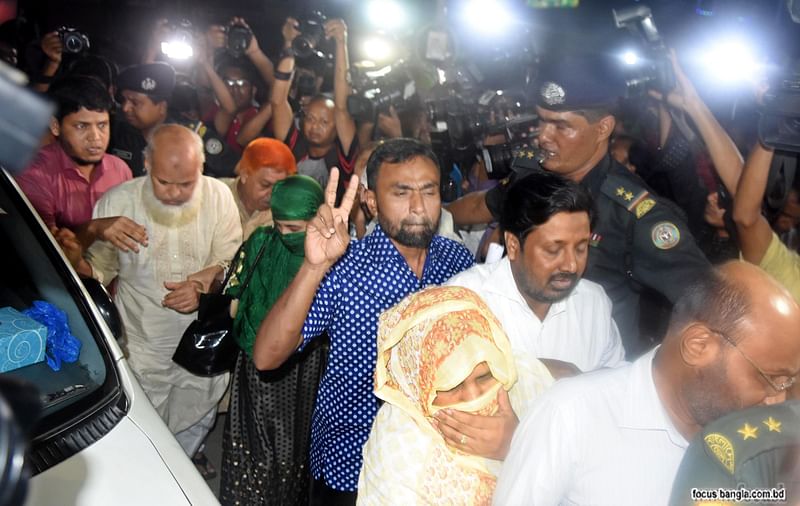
x,y
193,231
537,293
617,436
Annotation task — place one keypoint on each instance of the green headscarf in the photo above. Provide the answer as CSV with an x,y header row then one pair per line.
x,y
294,198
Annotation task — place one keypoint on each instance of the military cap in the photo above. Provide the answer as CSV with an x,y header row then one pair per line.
x,y
754,449
156,80
568,82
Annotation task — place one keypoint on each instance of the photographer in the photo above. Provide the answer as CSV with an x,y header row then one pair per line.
x,y
327,135
638,238
237,71
759,244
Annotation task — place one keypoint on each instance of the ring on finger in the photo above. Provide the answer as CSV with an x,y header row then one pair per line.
x,y
463,439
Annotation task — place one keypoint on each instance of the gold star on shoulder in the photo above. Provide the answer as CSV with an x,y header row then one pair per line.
x,y
531,154
772,424
620,191
628,196
748,432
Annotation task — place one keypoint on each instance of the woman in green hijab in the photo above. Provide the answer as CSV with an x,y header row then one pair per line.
x,y
265,443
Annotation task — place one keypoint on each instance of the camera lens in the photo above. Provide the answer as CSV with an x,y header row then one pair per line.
x,y
73,43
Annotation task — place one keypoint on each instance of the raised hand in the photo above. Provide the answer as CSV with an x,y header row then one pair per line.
x,y
327,235
684,95
52,47
289,31
336,29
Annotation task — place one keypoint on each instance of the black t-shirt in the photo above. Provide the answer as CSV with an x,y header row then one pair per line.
x,y
319,168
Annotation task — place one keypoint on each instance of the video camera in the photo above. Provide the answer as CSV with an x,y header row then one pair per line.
x,y
461,126
377,91
779,126
655,70
73,41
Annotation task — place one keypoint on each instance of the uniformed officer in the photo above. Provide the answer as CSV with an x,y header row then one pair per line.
x,y
145,92
639,239
754,449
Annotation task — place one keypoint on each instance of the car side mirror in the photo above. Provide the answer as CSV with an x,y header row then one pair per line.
x,y
105,304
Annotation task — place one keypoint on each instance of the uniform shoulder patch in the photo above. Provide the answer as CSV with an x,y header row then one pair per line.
x,y
722,448
665,235
628,194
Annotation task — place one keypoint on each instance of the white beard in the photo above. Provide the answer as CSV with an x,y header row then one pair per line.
x,y
172,216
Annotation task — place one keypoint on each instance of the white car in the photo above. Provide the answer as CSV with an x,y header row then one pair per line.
x,y
98,440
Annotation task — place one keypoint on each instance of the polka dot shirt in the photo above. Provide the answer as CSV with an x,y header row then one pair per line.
x,y
370,278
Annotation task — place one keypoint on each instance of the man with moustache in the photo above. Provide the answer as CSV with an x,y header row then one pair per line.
x,y
343,290
537,293
639,240
144,93
617,436
70,175
194,230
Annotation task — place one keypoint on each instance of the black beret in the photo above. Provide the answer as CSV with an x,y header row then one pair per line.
x,y
157,80
578,81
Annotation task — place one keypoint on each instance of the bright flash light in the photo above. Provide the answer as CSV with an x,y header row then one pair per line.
x,y
488,16
387,14
630,58
731,60
177,50
377,49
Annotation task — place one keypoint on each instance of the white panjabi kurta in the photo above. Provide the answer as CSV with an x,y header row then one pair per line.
x,y
173,253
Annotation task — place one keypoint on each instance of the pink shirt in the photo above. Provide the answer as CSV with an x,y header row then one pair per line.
x,y
60,193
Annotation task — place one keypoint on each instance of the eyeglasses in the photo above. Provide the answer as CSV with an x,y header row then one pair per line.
x,y
778,386
239,83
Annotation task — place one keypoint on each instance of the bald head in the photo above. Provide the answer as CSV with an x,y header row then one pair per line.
x,y
733,342
174,160
730,297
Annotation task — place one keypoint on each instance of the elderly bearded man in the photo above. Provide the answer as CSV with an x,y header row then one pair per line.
x,y
194,230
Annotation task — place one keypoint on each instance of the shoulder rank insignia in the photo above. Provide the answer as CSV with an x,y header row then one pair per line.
x,y
665,235
748,432
722,449
634,198
772,424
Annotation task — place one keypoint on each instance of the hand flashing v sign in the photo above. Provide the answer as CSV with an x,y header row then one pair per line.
x,y
327,235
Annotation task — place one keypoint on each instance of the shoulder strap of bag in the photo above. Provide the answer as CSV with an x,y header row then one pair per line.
x,y
253,268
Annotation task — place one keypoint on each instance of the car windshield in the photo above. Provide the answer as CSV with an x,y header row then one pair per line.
x,y
33,270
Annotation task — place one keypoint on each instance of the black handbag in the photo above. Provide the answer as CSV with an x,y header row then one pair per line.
x,y
208,346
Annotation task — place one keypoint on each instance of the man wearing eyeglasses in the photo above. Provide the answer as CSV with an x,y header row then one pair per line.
x,y
617,436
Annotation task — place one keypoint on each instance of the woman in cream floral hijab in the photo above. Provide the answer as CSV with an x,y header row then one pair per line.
x,y
441,347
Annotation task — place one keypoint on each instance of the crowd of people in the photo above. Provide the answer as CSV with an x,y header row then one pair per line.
x,y
642,293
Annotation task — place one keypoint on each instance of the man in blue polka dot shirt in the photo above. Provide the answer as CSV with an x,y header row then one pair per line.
x,y
342,290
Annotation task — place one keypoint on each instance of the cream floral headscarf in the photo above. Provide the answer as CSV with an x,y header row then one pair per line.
x,y
432,341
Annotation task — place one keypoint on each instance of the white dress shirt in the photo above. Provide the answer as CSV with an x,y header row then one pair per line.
x,y
578,329
602,438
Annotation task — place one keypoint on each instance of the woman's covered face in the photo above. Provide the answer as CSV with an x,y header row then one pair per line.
x,y
291,226
476,384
